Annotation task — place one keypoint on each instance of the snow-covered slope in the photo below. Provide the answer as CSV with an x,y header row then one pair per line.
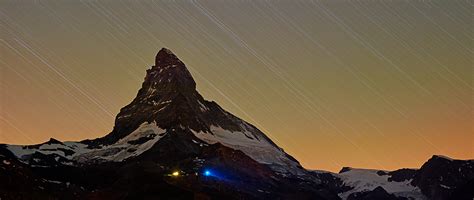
x,y
258,148
68,153
38,155
134,144
367,180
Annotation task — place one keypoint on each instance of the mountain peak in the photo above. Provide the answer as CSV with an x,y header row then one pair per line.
x,y
169,74
166,50
168,98
166,57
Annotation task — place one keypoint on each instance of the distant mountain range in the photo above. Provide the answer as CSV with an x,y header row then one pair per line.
x,y
171,143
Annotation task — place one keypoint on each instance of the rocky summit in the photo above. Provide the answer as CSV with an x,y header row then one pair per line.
x,y
171,143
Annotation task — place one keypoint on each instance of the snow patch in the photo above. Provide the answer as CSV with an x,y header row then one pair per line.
x,y
203,107
368,180
133,144
128,146
52,181
259,149
444,186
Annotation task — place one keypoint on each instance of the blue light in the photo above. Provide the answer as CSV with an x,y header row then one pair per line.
x,y
207,173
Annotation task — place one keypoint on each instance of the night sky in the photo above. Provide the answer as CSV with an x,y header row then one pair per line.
x,y
369,84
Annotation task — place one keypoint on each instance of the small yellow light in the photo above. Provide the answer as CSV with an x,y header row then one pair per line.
x,y
175,173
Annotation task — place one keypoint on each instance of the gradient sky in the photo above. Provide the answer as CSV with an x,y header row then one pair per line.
x,y
369,84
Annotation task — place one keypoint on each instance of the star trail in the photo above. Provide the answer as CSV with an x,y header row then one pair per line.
x,y
370,84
